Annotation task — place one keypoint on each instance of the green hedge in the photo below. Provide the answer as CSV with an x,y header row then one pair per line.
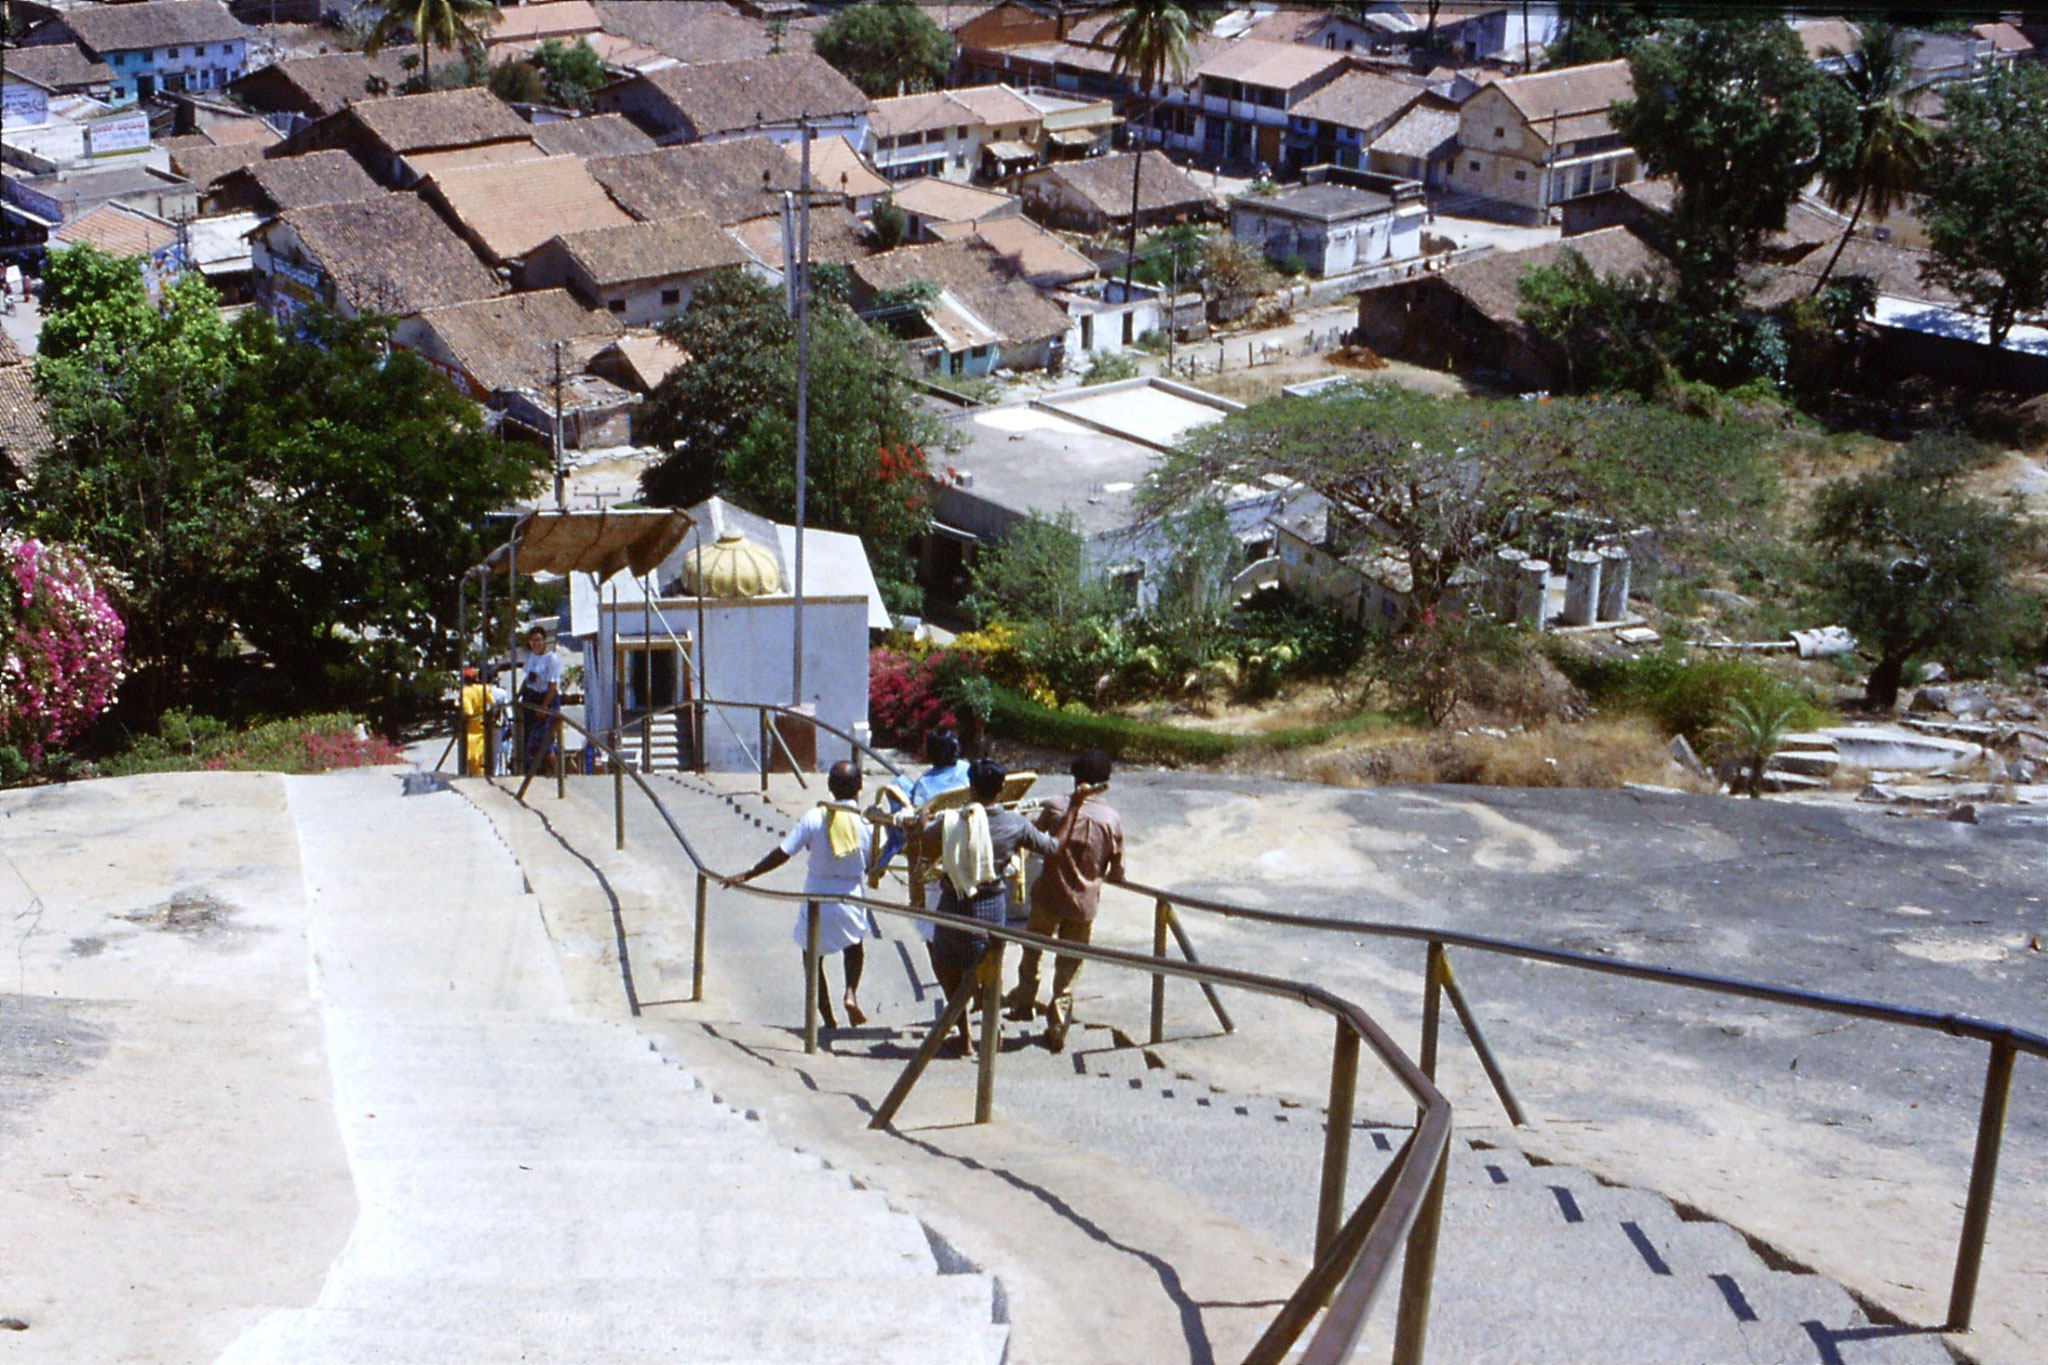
x,y
1018,717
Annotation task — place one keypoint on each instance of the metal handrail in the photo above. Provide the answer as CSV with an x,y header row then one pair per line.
x,y
1399,1216
2006,1040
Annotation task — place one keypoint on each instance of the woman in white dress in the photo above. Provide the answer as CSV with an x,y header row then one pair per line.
x,y
835,834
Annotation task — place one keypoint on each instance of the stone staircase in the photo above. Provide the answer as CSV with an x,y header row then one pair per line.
x,y
1540,1264
534,1186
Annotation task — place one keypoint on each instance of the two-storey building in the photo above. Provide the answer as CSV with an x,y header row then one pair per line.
x,y
946,133
154,46
1242,106
1528,143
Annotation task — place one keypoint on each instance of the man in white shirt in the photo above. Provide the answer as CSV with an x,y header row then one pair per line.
x,y
835,834
540,696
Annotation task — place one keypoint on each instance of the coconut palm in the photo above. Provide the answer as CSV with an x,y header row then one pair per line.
x,y
1892,146
446,24
1153,42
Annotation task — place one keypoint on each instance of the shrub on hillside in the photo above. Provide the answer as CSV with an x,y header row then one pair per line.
x,y
1686,696
61,660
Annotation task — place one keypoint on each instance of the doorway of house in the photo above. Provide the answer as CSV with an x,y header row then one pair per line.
x,y
650,680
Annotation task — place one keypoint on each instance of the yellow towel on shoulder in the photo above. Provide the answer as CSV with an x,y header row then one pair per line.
x,y
965,850
842,828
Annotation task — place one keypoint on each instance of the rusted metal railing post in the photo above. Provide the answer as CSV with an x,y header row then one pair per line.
x,y
928,1049
1187,950
619,805
1161,912
1418,1271
991,1033
811,966
1962,1298
1337,1136
697,949
561,762
1481,1047
1432,1006
764,755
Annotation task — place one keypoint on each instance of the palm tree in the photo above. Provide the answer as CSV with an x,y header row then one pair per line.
x,y
1154,43
1750,732
1892,146
446,24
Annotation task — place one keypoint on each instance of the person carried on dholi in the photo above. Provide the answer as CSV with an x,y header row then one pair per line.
x,y
977,843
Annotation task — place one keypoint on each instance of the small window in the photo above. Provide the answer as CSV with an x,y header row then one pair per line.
x,y
617,305
671,297
1472,166
1388,609
960,133
1500,132
1521,175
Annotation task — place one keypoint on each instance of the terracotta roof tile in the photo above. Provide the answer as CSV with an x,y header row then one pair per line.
x,y
119,231
442,118
1105,183
722,180
597,135
298,182
979,278
730,97
508,343
509,210
649,251
1359,99
24,421
157,23
930,197
392,254
700,31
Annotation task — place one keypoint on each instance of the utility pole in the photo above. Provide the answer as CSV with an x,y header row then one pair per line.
x,y
1172,302
803,394
796,272
560,477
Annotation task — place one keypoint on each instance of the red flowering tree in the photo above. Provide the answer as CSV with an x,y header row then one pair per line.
x,y
60,646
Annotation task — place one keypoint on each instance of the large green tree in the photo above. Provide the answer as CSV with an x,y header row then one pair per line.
x,y
1443,482
887,47
1892,145
1909,560
313,498
1736,116
729,420
451,25
1987,197
375,475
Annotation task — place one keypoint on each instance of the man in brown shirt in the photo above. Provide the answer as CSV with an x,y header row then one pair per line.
x,y
1069,887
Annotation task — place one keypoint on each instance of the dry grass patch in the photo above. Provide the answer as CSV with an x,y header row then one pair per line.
x,y
1597,753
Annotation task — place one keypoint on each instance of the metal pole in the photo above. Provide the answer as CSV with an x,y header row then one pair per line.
x,y
803,401
991,1033
561,475
928,1049
462,634
1962,1298
763,739
1160,912
647,661
1411,1325
811,965
697,950
1337,1136
1432,1006
561,762
484,670
1480,1046
619,801
512,650
1187,950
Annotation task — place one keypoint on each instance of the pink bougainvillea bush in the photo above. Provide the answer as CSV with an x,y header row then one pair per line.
x,y
60,645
